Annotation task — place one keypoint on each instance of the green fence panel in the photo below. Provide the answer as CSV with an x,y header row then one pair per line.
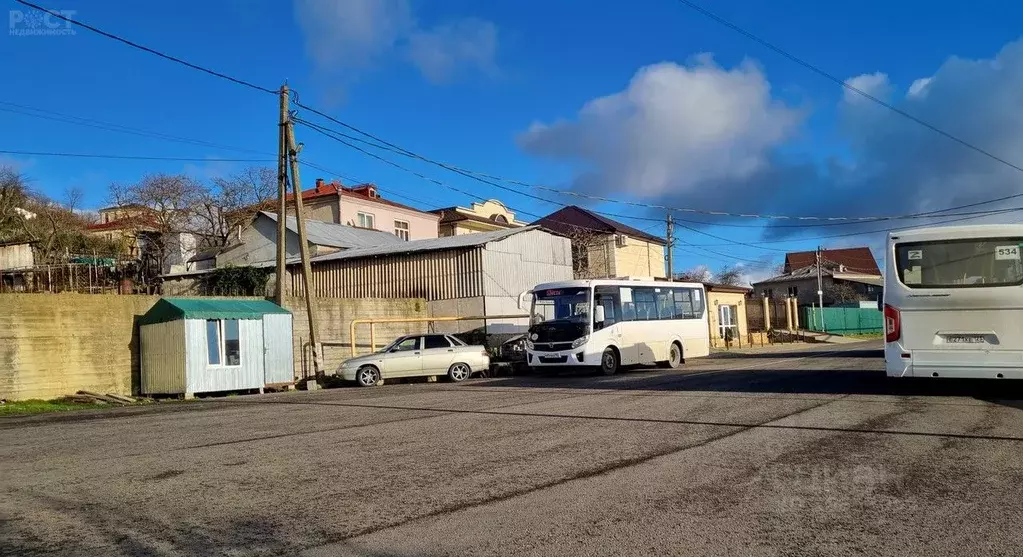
x,y
843,320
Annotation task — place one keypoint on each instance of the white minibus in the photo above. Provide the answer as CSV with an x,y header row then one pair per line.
x,y
631,322
953,302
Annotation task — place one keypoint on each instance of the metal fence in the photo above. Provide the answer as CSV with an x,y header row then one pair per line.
x,y
755,320
843,320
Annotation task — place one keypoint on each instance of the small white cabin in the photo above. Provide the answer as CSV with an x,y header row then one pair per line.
x,y
203,345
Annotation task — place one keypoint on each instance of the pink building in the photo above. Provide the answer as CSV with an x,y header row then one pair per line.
x,y
363,207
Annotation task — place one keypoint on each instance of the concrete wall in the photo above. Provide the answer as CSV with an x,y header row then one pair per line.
x,y
56,344
335,316
324,209
258,243
16,256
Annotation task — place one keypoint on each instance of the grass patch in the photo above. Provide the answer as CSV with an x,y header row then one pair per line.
x,y
36,406
864,335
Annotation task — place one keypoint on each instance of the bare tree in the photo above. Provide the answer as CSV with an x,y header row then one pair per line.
x,y
839,293
232,201
732,276
700,273
155,209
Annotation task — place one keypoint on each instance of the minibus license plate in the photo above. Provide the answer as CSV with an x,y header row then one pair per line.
x,y
964,339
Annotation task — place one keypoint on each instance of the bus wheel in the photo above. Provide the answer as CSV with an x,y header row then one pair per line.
x,y
674,357
609,362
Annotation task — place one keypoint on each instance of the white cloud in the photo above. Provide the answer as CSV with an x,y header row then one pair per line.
x,y
342,36
874,84
438,52
919,87
673,128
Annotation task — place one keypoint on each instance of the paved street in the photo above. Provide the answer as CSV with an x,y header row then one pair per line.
x,y
782,451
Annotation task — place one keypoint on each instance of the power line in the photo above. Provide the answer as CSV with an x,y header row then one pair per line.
x,y
564,192
489,179
127,157
843,83
147,49
45,114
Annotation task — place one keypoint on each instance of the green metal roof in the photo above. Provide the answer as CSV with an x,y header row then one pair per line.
x,y
172,309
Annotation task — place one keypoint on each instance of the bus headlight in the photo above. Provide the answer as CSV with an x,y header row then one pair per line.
x,y
580,341
529,344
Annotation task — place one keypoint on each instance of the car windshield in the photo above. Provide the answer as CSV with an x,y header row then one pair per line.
x,y
401,343
561,304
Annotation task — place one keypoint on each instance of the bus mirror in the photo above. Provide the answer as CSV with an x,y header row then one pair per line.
x,y
521,301
598,314
880,304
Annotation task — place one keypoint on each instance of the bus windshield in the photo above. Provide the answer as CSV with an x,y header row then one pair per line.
x,y
562,304
963,263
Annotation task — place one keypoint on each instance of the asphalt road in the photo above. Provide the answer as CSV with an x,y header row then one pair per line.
x,y
786,451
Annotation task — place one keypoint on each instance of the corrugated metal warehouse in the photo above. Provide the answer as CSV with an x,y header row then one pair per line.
x,y
471,274
207,345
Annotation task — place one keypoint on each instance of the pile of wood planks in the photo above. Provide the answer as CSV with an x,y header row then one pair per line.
x,y
109,398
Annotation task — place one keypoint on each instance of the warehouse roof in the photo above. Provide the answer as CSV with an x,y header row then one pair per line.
x,y
338,235
432,244
173,309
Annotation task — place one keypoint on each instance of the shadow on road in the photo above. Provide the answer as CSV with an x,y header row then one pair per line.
x,y
807,378
858,353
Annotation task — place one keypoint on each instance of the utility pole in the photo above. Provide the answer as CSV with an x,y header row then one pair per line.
x,y
670,237
282,192
820,287
307,273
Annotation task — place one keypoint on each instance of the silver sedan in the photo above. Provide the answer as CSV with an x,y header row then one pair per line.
x,y
417,355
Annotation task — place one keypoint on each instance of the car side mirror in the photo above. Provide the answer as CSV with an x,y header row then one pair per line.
x,y
598,314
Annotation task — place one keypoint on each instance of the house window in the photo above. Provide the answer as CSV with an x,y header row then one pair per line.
x,y
580,257
401,229
728,327
793,291
223,342
365,220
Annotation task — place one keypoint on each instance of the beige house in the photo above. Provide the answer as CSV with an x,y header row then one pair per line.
x,y
127,224
604,248
363,207
726,312
488,216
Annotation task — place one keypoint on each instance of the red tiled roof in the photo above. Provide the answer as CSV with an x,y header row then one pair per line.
x,y
120,224
360,192
858,260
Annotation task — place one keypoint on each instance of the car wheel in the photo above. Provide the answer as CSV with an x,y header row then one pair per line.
x,y
367,376
459,372
609,362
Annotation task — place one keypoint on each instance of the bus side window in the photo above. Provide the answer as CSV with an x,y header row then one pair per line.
x,y
684,304
607,296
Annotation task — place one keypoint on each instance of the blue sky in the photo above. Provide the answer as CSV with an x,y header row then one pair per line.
x,y
484,85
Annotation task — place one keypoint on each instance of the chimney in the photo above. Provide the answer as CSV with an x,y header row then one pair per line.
x,y
319,184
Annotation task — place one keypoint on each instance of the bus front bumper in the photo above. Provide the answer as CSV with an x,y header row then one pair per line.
x,y
578,357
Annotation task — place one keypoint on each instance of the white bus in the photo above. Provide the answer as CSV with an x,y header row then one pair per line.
x,y
953,302
632,322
